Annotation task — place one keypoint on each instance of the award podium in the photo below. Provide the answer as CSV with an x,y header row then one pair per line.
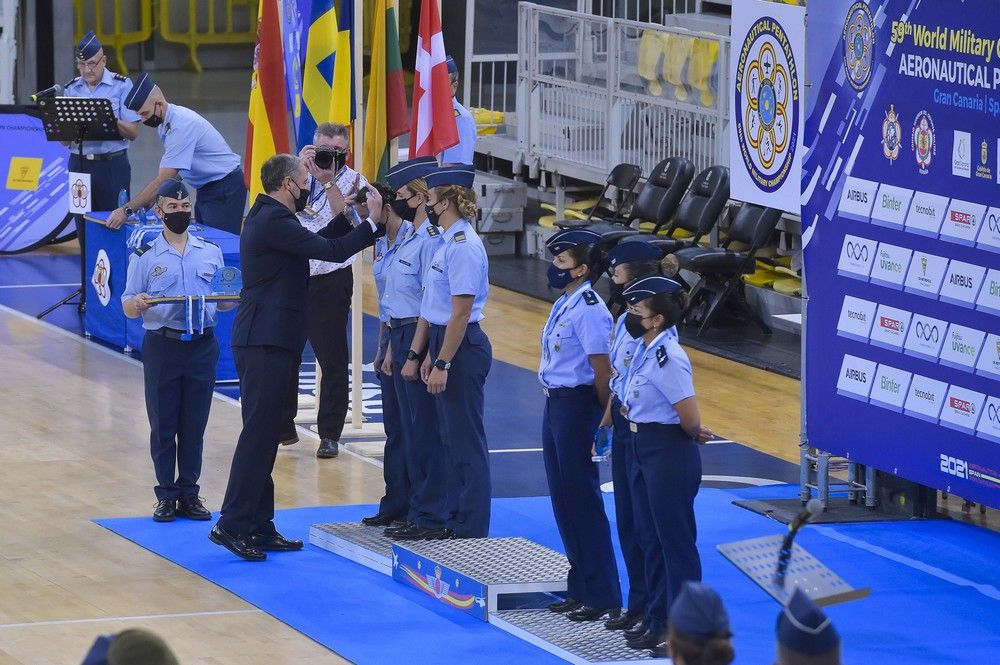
x,y
78,119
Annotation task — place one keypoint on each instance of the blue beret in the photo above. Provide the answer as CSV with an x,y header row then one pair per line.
x,y
638,250
646,287
173,189
137,96
408,171
698,612
88,46
452,67
803,627
569,238
462,175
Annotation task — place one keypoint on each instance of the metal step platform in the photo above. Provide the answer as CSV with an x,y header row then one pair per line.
x,y
471,574
355,541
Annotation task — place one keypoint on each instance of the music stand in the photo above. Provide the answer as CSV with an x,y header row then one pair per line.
x,y
78,119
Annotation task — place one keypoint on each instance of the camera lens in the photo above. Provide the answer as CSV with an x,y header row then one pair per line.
x,y
323,158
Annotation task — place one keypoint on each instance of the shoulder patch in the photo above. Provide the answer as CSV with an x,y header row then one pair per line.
x,y
661,356
433,231
590,298
207,241
71,81
119,77
460,236
142,250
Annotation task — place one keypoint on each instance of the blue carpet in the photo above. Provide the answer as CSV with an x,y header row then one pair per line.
x,y
934,587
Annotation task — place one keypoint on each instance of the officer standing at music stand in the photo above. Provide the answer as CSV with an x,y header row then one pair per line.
x,y
178,361
105,161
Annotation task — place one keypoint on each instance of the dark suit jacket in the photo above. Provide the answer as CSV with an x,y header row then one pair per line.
x,y
274,257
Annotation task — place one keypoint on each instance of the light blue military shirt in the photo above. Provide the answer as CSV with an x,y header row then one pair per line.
x,y
658,377
384,253
622,349
159,270
463,151
406,274
111,86
578,327
459,268
194,147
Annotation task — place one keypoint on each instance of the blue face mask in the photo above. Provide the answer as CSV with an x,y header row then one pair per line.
x,y
559,279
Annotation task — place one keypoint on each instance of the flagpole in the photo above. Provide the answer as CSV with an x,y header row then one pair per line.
x,y
357,303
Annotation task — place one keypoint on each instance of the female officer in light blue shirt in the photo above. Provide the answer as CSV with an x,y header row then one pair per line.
x,y
658,401
459,353
397,487
574,373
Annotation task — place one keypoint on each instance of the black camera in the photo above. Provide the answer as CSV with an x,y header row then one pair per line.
x,y
325,158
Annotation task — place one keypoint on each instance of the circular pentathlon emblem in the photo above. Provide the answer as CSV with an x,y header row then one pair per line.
x,y
922,141
859,45
891,134
767,104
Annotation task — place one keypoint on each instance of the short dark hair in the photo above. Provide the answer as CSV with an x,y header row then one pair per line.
x,y
590,255
670,305
274,171
332,130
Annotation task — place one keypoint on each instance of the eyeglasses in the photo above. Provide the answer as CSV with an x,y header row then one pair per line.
x,y
90,64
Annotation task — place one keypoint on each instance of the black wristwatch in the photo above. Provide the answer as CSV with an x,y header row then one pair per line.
x,y
412,355
128,211
442,365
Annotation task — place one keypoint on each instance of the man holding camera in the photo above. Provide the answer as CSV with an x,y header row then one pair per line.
x,y
330,288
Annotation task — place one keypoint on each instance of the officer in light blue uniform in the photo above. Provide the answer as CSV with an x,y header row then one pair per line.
x,y
464,151
459,352
105,161
179,350
661,412
394,468
194,150
627,261
426,456
574,373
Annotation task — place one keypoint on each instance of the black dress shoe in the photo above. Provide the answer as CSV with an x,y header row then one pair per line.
x,y
192,508
660,651
165,511
396,529
328,449
420,533
636,631
567,605
586,613
380,519
624,621
275,543
289,439
238,546
647,640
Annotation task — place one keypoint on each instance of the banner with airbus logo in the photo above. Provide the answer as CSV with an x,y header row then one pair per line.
x,y
900,180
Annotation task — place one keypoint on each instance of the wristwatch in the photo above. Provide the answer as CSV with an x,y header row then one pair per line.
x,y
442,365
128,211
412,355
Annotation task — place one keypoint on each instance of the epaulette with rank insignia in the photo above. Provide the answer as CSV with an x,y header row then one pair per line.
x,y
460,236
590,297
207,240
71,81
433,231
119,77
142,250
661,356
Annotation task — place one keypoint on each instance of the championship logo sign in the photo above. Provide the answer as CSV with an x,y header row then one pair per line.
x,y
891,134
923,141
859,44
101,277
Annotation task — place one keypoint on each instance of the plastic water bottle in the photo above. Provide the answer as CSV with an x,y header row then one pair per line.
x,y
122,197
602,443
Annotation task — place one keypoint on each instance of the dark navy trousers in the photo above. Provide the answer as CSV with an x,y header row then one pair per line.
x,y
571,417
394,467
220,203
460,421
633,541
427,459
179,378
666,474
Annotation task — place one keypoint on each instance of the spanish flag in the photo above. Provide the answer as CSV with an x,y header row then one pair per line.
x,y
267,126
327,75
386,114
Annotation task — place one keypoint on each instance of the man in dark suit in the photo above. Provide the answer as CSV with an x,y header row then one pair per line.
x,y
268,337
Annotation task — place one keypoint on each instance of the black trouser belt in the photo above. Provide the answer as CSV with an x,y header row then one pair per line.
x,y
567,392
172,333
667,428
399,323
105,157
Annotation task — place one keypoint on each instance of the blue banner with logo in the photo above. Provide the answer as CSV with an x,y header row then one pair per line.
x,y
900,185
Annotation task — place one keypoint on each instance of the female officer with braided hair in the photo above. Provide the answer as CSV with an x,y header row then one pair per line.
x,y
661,411
574,374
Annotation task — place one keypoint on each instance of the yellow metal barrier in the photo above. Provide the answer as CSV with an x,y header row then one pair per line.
x,y
192,38
116,38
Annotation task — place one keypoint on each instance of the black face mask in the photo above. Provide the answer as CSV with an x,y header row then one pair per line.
x,y
616,293
403,209
432,216
302,200
153,120
177,222
633,325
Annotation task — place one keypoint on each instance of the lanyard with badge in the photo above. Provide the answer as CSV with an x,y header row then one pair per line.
x,y
563,304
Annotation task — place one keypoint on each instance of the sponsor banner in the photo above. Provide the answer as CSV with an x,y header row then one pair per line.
x,y
961,347
889,267
890,387
924,398
989,358
926,214
962,221
925,274
989,231
857,257
925,337
890,327
989,422
891,205
856,376
961,284
858,198
989,295
961,409
856,316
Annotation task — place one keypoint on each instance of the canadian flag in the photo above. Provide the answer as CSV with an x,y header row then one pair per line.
x,y
433,120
